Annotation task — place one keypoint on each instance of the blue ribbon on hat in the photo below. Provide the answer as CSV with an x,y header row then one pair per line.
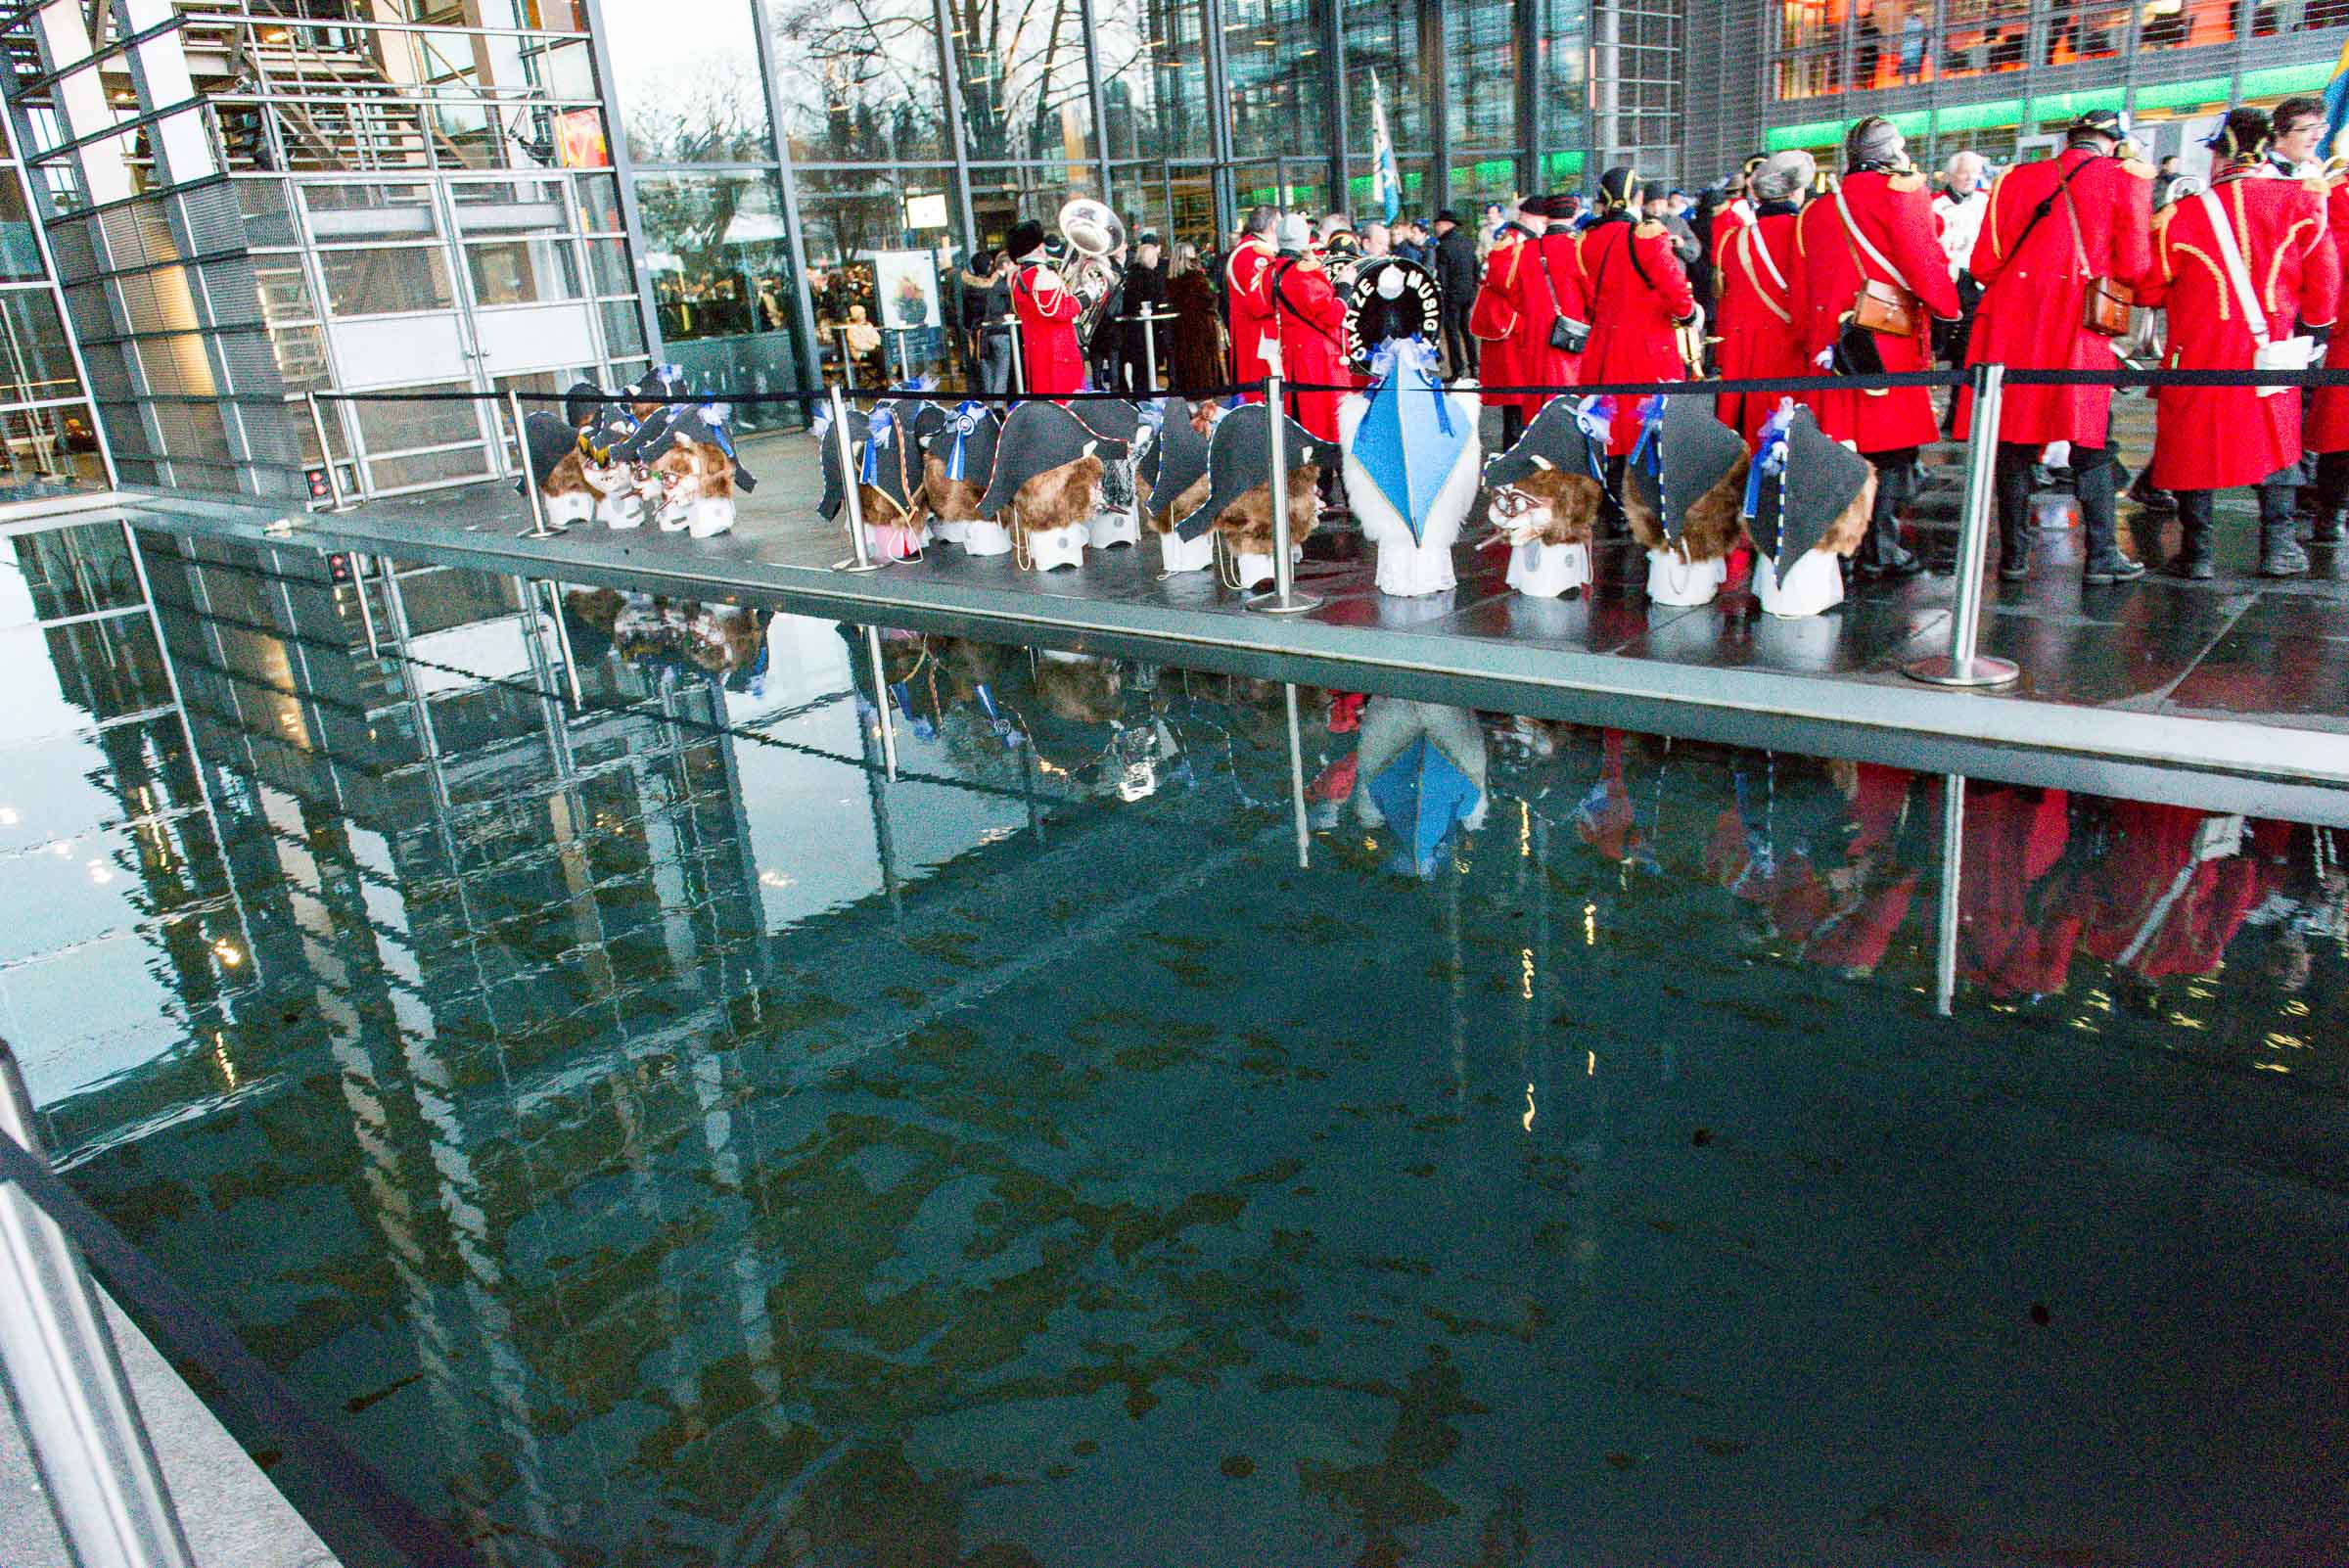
x,y
1592,419
1649,454
966,422
877,430
715,415
1769,457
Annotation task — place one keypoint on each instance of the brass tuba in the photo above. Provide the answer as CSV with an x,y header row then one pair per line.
x,y
1094,234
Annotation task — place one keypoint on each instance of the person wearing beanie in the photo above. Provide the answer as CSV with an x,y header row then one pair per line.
x,y
1550,286
1493,318
1248,286
1310,320
1456,270
1872,241
1047,308
1639,296
2247,239
1759,332
2054,230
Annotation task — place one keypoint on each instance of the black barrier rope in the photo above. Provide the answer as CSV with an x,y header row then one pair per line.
x,y
198,1338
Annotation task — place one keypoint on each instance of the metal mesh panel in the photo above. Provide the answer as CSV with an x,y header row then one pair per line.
x,y
248,361
70,243
110,373
157,301
93,314
229,287
211,218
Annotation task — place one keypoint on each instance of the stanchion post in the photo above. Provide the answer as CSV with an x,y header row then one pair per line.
x,y
89,1446
889,728
326,456
1019,363
1953,851
1284,599
1296,784
847,360
1150,319
541,527
358,582
1962,665
861,559
570,662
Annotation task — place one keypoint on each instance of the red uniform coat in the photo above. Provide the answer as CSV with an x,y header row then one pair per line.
x,y
2328,409
1048,349
1312,321
1493,318
1249,275
1897,216
2215,438
2151,905
2010,941
1761,336
2029,317
1725,226
1638,290
1550,285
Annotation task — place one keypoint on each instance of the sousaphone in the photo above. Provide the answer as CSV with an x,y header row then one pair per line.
x,y
1094,234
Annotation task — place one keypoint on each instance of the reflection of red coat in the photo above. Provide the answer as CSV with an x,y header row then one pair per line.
x,y
1550,285
1897,216
1493,318
2152,906
2215,438
1312,321
1048,332
2031,309
1760,334
2328,409
1638,290
1249,274
2013,839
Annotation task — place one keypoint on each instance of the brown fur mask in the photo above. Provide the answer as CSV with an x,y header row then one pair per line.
x,y
1247,524
1712,527
1057,498
697,471
570,477
1573,499
1162,519
950,501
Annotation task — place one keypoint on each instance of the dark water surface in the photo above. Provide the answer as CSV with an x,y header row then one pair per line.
x,y
655,1137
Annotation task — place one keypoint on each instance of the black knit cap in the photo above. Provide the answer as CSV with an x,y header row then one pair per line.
x,y
1027,237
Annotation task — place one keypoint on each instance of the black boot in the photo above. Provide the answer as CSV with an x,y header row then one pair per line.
x,y
2093,476
1882,556
2143,493
2332,498
2194,543
2279,552
2013,477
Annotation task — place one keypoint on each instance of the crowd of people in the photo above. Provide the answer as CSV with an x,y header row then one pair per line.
x,y
2085,261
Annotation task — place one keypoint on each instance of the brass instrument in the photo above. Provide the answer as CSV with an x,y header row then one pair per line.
x,y
1094,234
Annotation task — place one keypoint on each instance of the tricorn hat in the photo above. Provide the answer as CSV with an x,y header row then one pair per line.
x,y
1039,437
1695,453
835,491
962,437
1556,439
1239,459
549,440
1819,481
1173,462
1391,297
705,425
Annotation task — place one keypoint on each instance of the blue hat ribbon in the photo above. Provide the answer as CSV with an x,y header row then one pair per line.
x,y
1770,459
1591,417
966,421
1649,454
877,427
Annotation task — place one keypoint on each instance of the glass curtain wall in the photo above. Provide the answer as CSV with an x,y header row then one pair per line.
x,y
49,439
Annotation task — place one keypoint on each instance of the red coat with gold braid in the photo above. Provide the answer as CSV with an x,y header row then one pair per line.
x,y
1639,289
1048,349
1761,335
1895,215
2036,285
1312,321
1493,318
2328,408
1249,274
2215,438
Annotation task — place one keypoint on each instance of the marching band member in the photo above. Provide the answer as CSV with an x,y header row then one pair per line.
x,y
1761,336
1047,310
1493,320
1310,321
2055,231
1869,244
1550,290
1639,295
1248,283
2238,266
1736,214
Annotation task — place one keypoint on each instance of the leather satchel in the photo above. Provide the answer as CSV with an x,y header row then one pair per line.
x,y
2105,306
1566,335
1889,309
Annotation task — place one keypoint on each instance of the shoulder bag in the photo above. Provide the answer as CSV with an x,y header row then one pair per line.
x,y
2105,308
2267,352
1890,309
1566,335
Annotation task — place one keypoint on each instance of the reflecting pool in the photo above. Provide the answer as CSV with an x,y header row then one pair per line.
x,y
834,1095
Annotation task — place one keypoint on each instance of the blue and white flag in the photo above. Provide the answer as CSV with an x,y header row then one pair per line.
x,y
1382,155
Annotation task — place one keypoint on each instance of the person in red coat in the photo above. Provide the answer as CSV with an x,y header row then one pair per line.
x,y
1047,312
1877,226
1549,288
2209,438
2051,227
1248,283
1492,322
1310,320
1737,213
2328,409
1639,297
1760,337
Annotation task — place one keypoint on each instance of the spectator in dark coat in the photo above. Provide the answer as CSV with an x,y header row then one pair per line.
x,y
984,294
1145,289
1457,278
1196,339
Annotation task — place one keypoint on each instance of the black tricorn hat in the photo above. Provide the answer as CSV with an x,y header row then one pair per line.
x,y
835,491
1820,481
1173,462
649,438
583,400
1027,234
1239,459
1039,437
549,440
706,426
975,426
1554,439
1697,453
661,381
1391,297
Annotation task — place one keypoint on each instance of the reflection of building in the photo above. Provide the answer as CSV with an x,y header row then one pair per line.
x,y
2000,77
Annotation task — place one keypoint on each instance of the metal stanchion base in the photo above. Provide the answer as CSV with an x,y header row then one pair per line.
x,y
540,531
855,566
1941,670
1269,604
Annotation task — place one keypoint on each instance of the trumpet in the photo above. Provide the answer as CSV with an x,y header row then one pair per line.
x,y
1094,234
